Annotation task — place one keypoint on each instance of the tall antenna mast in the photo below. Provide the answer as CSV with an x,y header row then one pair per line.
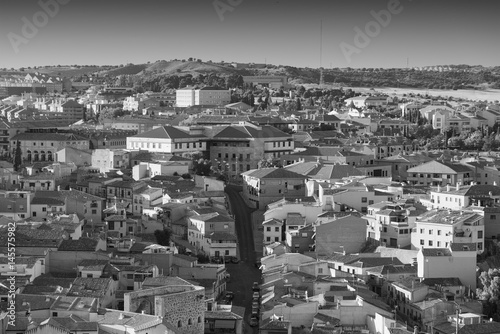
x,y
321,81
320,43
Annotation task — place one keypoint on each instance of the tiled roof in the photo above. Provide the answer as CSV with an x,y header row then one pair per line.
x,y
89,287
272,324
71,323
46,200
438,167
484,328
409,283
245,132
337,171
463,247
82,244
163,281
93,264
436,252
48,136
222,236
46,280
186,257
273,173
326,318
447,281
135,320
166,132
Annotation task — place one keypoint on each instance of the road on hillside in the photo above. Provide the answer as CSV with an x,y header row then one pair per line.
x,y
244,273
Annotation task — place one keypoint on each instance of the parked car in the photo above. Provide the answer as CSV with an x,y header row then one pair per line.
x,y
254,321
235,259
255,287
258,264
255,304
255,311
256,296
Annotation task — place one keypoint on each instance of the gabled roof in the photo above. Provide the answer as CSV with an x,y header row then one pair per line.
x,y
438,167
246,132
484,328
166,132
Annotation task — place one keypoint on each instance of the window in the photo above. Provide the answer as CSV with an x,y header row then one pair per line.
x,y
276,229
320,270
439,243
268,239
430,231
422,231
479,245
130,276
493,217
54,314
364,199
479,234
422,242
430,242
276,239
268,229
439,232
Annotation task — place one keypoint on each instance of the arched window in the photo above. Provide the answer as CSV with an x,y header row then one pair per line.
x,y
49,155
35,156
199,319
179,323
28,155
190,322
42,155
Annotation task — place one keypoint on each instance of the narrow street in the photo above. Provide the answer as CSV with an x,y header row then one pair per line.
x,y
244,273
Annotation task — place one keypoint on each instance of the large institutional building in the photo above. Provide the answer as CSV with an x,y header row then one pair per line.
x,y
190,96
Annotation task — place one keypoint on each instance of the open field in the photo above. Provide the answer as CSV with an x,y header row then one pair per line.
x,y
490,95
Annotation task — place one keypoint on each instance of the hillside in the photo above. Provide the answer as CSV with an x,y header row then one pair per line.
x,y
178,67
129,69
448,77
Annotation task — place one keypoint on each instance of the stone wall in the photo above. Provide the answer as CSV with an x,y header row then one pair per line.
x,y
182,305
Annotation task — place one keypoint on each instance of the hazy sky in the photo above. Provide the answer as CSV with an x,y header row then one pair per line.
x,y
286,32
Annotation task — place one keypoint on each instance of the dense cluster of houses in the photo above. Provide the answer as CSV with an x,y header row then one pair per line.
x,y
357,227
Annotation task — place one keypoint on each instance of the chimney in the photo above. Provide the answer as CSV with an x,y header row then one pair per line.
x,y
415,329
121,316
439,188
458,186
447,187
495,183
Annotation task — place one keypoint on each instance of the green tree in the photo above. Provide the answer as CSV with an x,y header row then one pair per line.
x,y
18,157
163,237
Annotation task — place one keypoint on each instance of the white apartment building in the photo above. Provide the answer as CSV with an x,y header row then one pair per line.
x,y
457,260
458,197
442,228
272,231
